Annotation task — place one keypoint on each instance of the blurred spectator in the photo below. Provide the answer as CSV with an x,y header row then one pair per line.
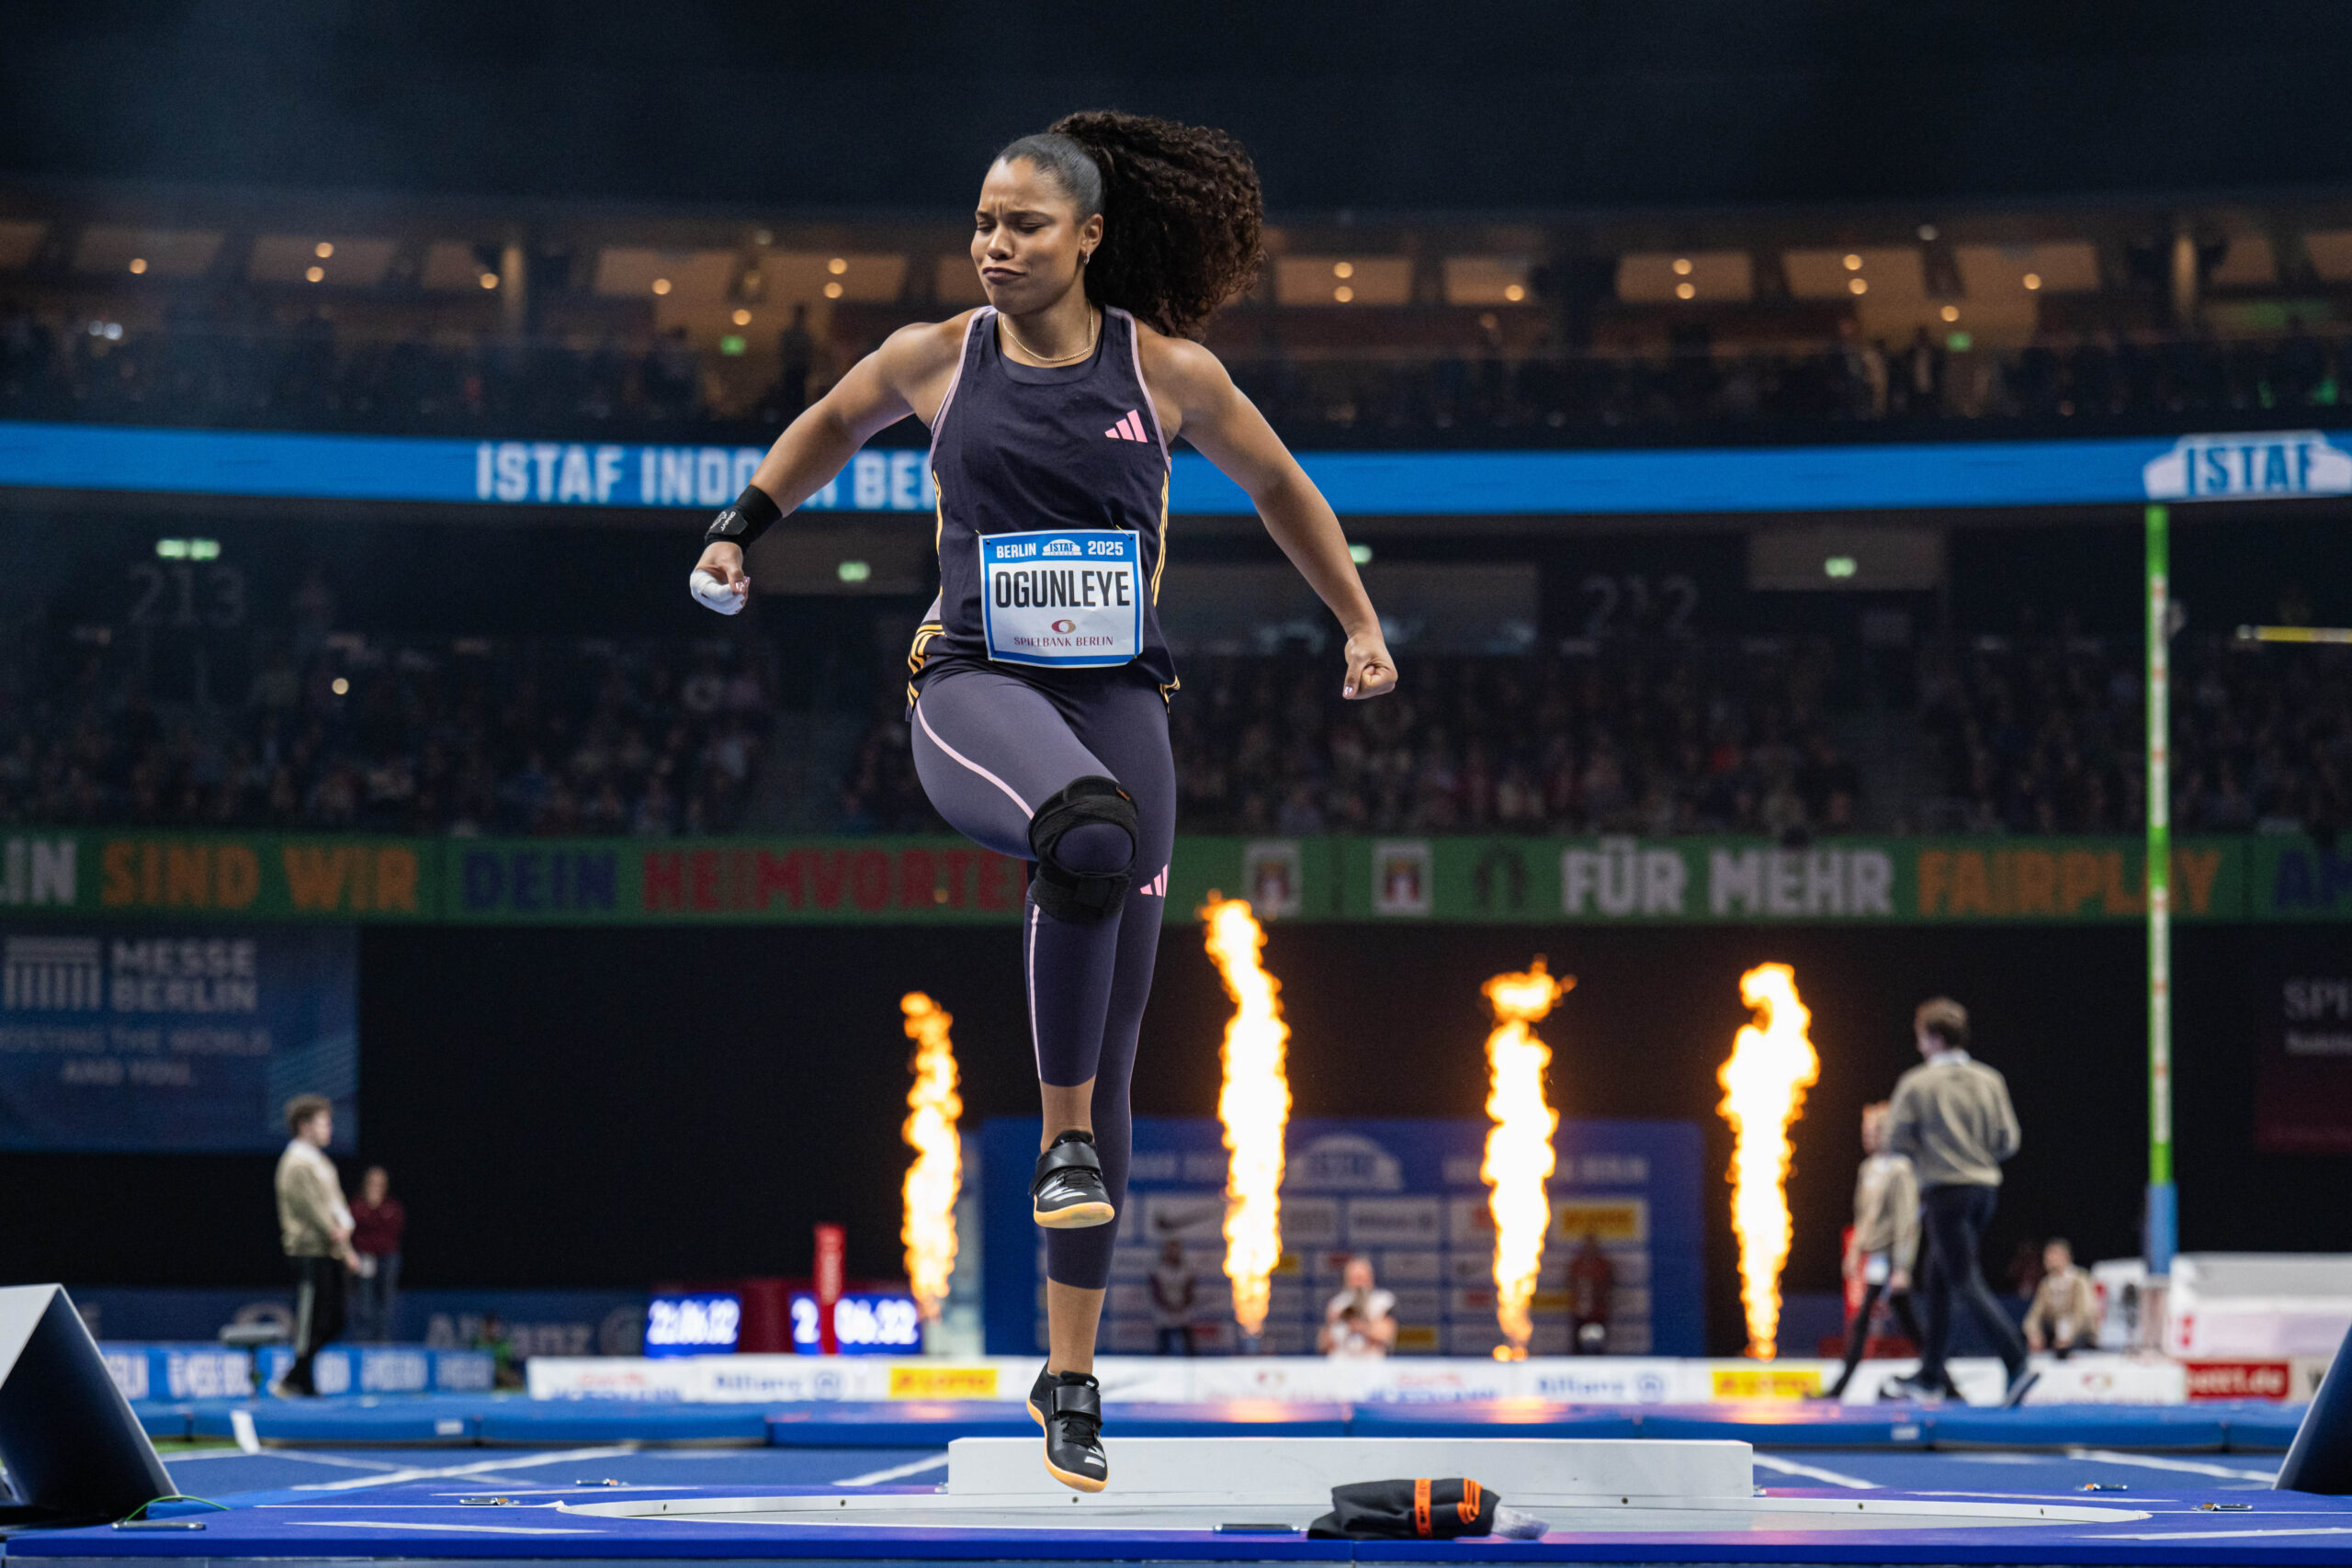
x,y
1360,1321
1883,1247
378,1220
506,1368
1592,1288
314,1226
2065,1312
1173,1294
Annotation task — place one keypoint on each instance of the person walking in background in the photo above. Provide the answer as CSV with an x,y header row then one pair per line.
x,y
2065,1312
314,1226
1952,1118
1173,1291
1884,1247
377,1222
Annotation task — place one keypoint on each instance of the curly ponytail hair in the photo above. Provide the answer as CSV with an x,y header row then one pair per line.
x,y
1182,211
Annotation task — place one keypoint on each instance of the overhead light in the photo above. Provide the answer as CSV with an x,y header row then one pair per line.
x,y
1858,285
315,273
2033,281
1682,267
1514,292
204,550
742,318
490,280
1343,270
761,238
138,263
833,291
1839,566
341,687
1359,554
1927,233
1950,313
323,250
1686,291
171,549
854,570
838,265
1853,262
1343,294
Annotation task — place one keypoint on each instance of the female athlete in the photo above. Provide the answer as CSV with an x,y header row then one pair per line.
x,y
1040,680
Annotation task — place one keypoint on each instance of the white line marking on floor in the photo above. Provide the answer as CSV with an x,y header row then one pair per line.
x,y
241,1427
462,1529
2215,1535
482,1467
338,1460
1812,1472
876,1477
2181,1466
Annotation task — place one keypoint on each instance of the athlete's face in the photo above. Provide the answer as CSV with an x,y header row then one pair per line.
x,y
1027,238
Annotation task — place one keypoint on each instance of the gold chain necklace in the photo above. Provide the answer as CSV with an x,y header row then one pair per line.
x,y
1094,330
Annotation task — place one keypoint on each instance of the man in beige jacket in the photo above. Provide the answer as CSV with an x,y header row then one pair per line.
x,y
1952,1118
314,1226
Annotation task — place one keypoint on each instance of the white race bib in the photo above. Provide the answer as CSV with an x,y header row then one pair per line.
x,y
1069,598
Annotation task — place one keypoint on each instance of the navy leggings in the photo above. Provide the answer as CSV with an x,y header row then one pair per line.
x,y
989,746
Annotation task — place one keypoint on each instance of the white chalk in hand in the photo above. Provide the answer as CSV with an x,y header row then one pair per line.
x,y
717,595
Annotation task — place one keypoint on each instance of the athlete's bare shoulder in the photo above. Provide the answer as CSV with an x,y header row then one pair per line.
x,y
918,361
1185,378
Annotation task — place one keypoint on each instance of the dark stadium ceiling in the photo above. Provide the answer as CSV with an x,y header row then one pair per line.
x,y
1382,105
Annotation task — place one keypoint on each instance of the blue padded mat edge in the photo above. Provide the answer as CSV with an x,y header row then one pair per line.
x,y
425,1522
459,1419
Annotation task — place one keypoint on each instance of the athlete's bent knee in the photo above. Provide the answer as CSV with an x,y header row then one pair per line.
x,y
1083,870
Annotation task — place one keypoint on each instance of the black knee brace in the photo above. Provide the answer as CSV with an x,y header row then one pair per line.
x,y
1069,895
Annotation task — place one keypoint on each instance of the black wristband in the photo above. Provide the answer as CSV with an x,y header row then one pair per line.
x,y
752,515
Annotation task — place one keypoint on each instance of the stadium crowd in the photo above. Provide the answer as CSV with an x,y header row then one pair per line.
x,y
1621,737
2046,734
2035,733
240,367
547,736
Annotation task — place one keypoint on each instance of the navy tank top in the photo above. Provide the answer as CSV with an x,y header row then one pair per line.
x,y
1023,449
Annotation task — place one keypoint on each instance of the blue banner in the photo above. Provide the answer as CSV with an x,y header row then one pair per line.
x,y
1405,1193
1714,480
152,1039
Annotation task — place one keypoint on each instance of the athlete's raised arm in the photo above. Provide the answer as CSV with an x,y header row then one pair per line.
x,y
909,374
1218,417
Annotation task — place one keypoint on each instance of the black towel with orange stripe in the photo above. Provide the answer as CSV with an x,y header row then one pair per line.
x,y
1407,1510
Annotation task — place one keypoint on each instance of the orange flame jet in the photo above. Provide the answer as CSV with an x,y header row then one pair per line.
x,y
1519,1147
1772,1063
936,1178
1254,1105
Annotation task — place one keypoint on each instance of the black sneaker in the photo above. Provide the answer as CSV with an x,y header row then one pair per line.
x,y
1068,1405
1065,1193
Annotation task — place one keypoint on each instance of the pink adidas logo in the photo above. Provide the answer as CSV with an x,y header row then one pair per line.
x,y
1128,429
1157,886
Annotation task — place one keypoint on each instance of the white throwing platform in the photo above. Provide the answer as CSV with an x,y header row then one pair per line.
x,y
1523,1470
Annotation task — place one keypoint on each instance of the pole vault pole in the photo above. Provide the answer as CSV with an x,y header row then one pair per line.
x,y
2162,1217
